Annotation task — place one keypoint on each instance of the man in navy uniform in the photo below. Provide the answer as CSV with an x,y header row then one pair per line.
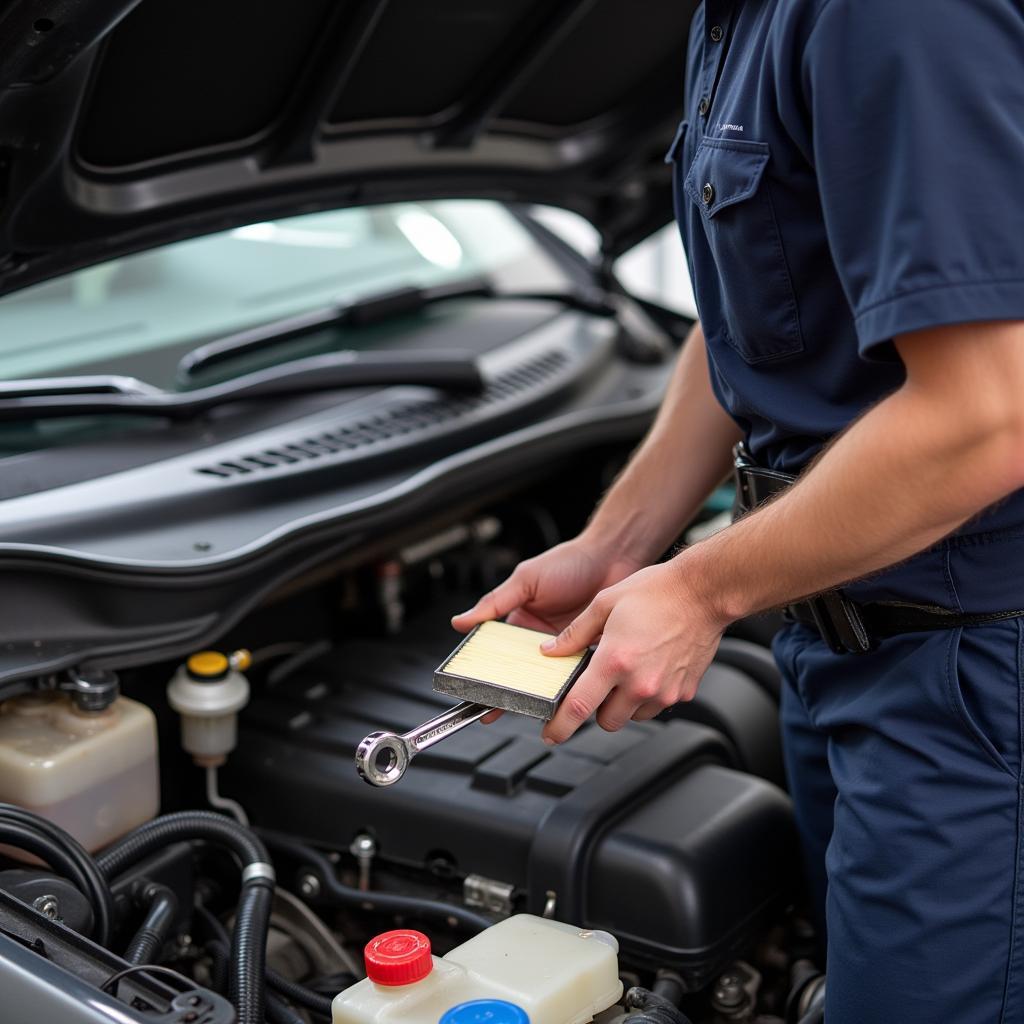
x,y
850,189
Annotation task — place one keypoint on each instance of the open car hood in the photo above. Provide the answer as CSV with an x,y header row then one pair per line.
x,y
129,123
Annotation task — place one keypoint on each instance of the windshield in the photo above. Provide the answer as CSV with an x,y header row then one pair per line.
x,y
137,315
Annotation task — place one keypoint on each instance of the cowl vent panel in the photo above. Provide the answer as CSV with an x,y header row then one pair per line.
x,y
407,422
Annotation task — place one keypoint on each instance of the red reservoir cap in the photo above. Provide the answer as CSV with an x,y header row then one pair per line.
x,y
398,958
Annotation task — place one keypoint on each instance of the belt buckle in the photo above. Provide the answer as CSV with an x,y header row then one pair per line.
x,y
823,623
741,462
840,624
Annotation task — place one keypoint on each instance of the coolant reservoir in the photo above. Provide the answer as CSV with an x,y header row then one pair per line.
x,y
551,973
94,773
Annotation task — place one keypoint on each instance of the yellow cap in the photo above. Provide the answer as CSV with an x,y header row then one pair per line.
x,y
206,664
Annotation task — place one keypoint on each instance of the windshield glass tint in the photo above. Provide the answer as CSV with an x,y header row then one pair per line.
x,y
161,303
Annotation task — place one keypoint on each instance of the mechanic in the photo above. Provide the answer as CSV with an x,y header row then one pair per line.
x,y
850,190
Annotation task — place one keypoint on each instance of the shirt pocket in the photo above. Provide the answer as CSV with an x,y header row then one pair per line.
x,y
726,181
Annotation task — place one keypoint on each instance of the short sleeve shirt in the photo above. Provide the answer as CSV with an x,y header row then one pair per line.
x,y
846,171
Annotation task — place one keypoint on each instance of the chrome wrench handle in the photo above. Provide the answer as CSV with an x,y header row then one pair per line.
x,y
441,727
383,757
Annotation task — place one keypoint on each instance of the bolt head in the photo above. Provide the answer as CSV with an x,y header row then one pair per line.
x,y
729,994
309,886
47,905
363,846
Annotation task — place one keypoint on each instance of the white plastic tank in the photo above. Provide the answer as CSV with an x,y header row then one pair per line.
x,y
94,773
208,691
547,971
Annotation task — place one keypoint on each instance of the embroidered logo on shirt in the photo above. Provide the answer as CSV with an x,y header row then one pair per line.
x,y
729,127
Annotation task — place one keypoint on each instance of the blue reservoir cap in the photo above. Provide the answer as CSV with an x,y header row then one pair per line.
x,y
486,1011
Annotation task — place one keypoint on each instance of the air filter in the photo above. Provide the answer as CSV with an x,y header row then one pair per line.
x,y
501,666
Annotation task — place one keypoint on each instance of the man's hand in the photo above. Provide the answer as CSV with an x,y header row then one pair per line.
x,y
655,644
549,591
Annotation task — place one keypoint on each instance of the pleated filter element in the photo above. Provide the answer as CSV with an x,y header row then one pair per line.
x,y
501,666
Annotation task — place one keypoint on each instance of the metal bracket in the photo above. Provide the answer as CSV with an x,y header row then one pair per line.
x,y
488,894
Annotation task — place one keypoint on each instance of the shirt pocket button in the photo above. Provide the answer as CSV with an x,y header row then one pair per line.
x,y
707,193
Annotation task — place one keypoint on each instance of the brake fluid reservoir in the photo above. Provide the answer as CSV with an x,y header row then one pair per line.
x,y
208,691
550,972
94,773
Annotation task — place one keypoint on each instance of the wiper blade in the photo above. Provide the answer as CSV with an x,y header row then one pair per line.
x,y
369,310
50,398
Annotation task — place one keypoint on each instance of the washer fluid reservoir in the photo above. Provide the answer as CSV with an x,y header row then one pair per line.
x,y
529,968
94,773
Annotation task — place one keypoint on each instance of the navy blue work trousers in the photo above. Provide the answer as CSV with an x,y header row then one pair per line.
x,y
905,769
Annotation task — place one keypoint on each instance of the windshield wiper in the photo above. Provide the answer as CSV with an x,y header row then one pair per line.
x,y
369,310
49,398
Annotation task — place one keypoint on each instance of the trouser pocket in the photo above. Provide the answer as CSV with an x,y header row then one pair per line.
x,y
983,680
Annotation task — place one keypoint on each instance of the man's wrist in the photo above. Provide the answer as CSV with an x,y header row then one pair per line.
x,y
701,573
625,540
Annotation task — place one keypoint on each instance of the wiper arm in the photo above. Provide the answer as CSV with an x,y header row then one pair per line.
x,y
50,398
369,310
96,384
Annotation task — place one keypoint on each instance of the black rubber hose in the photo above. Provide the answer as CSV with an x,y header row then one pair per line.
x,y
249,942
669,986
383,902
62,852
175,828
220,962
96,888
300,995
291,990
24,838
279,1013
161,910
249,947
652,1009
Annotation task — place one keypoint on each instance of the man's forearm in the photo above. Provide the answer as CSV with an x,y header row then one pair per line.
x,y
683,458
908,473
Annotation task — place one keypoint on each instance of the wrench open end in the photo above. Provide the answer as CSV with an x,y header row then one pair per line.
x,y
382,758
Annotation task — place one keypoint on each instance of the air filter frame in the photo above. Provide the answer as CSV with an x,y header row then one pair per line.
x,y
494,695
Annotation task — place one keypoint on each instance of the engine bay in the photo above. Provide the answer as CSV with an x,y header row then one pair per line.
x,y
674,836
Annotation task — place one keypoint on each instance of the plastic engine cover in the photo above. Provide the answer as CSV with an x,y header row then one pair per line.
x,y
650,833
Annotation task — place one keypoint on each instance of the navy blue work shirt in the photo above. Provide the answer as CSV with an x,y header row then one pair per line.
x,y
848,171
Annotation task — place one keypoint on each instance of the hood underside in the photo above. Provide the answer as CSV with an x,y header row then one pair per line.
x,y
129,123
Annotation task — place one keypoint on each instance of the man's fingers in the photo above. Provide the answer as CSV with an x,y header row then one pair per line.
x,y
617,710
636,697
499,602
647,711
585,697
582,631
492,716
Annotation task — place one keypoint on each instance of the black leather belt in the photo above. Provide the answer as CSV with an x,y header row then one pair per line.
x,y
848,627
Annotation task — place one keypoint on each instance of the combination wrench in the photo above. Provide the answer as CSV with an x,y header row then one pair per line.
x,y
383,757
